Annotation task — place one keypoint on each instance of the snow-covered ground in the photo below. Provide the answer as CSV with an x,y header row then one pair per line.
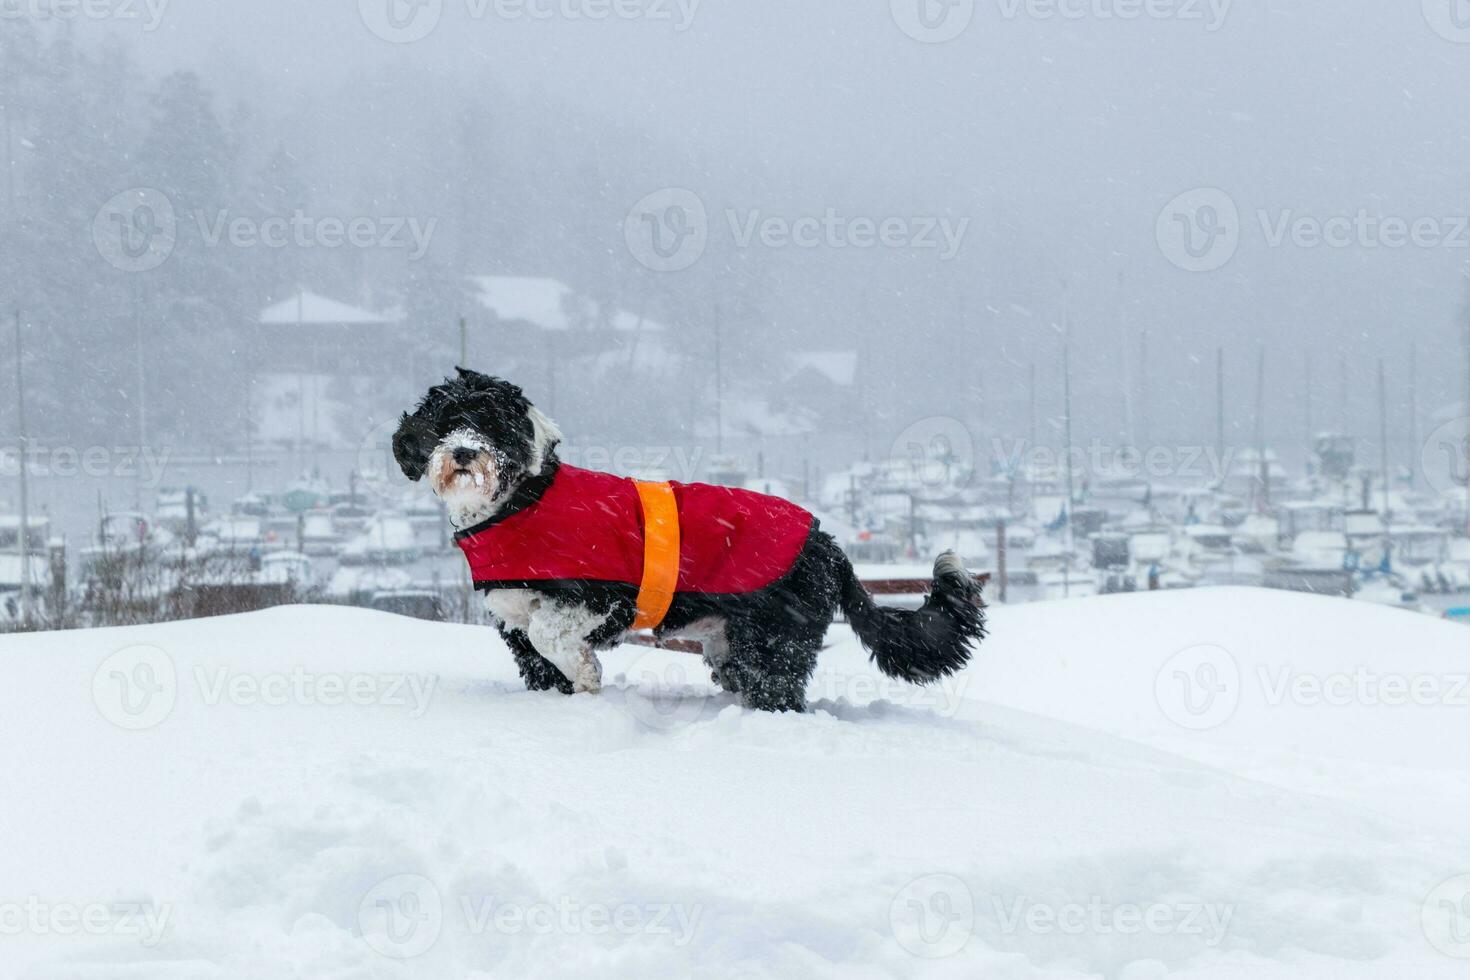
x,y
1225,783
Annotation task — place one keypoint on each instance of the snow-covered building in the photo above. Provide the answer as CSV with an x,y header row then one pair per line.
x,y
311,332
823,384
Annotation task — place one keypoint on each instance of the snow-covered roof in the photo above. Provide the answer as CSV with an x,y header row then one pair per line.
x,y
837,366
550,304
311,309
627,322
537,300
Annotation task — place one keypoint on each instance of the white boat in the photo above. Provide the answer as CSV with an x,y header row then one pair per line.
x,y
387,540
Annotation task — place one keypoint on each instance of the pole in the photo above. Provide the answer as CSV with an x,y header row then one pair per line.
x,y
1413,412
1067,420
1264,465
1031,408
464,343
25,501
1220,403
719,385
142,389
1145,416
1383,451
1307,408
1000,557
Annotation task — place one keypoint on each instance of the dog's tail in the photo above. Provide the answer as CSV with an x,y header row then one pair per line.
x,y
920,645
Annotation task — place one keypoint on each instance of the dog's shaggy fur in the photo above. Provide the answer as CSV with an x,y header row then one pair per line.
x,y
487,452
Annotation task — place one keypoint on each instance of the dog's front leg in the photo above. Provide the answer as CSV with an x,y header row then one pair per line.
x,y
539,673
560,634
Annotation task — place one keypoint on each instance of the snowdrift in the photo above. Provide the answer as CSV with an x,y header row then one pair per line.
x,y
1226,783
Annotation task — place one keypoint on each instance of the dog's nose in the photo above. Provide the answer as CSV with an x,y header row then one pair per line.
x,y
464,457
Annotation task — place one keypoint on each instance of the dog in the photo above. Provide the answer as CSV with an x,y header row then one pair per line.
x,y
570,561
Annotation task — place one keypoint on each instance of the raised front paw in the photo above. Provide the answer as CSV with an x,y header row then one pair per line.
x,y
540,675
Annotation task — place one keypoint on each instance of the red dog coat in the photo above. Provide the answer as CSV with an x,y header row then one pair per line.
x,y
661,537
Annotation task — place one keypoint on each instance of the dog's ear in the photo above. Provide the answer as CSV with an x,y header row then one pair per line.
x,y
413,444
545,437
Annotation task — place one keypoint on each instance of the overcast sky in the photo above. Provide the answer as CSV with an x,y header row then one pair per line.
x,y
1060,131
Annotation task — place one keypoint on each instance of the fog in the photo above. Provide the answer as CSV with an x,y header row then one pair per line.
x,y
975,199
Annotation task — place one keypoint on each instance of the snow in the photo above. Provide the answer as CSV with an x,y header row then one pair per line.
x,y
318,791
310,309
549,304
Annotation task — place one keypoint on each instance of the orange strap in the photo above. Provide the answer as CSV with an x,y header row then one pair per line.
x,y
660,554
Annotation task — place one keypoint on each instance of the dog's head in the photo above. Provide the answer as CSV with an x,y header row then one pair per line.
x,y
477,439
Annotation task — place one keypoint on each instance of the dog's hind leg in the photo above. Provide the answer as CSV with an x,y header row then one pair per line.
x,y
770,671
539,673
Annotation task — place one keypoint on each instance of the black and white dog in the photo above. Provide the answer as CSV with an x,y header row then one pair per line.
x,y
490,455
